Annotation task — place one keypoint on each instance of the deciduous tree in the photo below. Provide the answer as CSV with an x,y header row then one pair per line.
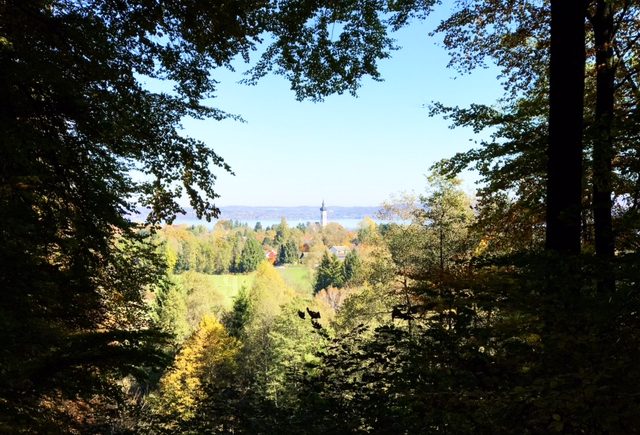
x,y
204,359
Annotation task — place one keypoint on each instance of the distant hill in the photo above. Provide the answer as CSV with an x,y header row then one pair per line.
x,y
244,213
301,213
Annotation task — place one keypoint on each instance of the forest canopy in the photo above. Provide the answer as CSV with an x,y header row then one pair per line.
x,y
77,125
512,311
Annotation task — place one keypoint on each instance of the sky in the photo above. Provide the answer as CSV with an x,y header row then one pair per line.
x,y
347,151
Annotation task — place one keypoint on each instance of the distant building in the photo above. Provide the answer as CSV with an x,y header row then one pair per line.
x,y
323,215
339,251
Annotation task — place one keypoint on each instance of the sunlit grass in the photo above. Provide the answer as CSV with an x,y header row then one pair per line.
x,y
299,278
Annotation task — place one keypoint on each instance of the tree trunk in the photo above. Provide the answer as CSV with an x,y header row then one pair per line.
x,y
566,103
603,29
441,252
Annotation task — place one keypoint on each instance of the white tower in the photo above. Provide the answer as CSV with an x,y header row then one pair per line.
x,y
323,215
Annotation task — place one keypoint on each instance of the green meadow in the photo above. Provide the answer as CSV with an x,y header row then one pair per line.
x,y
217,291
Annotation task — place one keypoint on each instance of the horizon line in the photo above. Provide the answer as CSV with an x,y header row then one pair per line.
x,y
292,206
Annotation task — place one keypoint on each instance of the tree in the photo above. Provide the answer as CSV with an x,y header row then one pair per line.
x,y
221,255
512,166
566,104
352,268
366,306
170,311
237,319
293,347
604,30
205,359
251,256
282,254
404,241
268,292
324,276
516,37
329,274
446,213
282,232
237,245
288,253
367,231
334,234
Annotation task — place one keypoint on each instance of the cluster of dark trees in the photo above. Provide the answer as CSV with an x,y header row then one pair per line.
x,y
286,242
542,335
288,252
197,249
335,273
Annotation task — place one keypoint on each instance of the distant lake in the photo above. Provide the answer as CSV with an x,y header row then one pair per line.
x,y
350,224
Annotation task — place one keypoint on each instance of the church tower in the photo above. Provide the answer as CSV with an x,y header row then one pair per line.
x,y
323,215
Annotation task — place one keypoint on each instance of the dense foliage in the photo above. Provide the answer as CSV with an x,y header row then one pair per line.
x,y
462,316
85,144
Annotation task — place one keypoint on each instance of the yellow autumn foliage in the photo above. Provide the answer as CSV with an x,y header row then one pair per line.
x,y
269,291
208,352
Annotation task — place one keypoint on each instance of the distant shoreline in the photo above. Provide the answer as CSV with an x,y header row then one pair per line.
x,y
270,213
349,224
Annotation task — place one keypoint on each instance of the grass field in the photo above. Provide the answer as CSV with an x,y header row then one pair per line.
x,y
299,278
229,285
210,291
214,290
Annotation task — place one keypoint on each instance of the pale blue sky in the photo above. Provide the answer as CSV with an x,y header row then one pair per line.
x,y
345,150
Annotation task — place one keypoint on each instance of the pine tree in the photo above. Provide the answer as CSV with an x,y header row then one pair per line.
x,y
170,311
288,252
252,255
352,268
330,273
324,276
240,314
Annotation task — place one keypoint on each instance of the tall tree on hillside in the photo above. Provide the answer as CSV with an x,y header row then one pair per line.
x,y
368,231
324,276
329,274
170,311
206,358
446,214
352,268
282,232
512,166
566,105
237,243
405,240
252,255
222,255
288,253
604,33
516,37
237,319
